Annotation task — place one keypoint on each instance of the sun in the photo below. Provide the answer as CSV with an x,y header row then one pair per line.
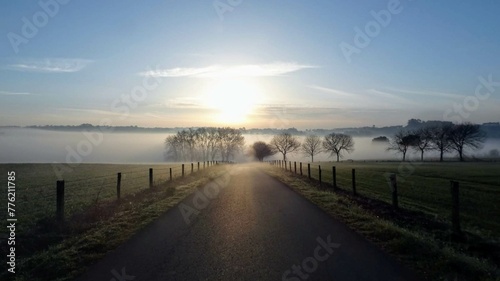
x,y
232,99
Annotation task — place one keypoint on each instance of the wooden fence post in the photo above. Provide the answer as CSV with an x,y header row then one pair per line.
x,y
60,201
319,174
290,165
309,170
334,176
198,166
295,166
182,170
118,185
170,174
354,182
150,177
455,207
192,168
300,168
394,187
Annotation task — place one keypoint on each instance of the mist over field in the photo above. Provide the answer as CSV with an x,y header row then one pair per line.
x,y
22,145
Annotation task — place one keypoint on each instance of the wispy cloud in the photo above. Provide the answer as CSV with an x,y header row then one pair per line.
x,y
50,65
362,99
384,94
184,102
330,90
88,110
5,93
390,97
217,71
427,93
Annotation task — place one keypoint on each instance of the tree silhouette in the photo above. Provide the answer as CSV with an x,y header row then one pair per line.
x,y
402,141
336,143
440,136
466,135
312,146
423,141
204,144
285,143
262,150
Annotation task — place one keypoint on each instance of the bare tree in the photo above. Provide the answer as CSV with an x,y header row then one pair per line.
x,y
466,135
188,143
202,141
402,141
213,143
179,147
336,143
262,150
285,143
312,146
423,140
204,144
441,139
231,142
172,149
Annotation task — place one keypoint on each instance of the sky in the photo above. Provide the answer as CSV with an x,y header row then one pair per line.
x,y
242,63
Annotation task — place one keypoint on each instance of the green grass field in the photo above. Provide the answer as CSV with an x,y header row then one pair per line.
x,y
86,185
419,234
95,222
425,187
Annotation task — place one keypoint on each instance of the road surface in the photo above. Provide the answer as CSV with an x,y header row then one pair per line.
x,y
249,227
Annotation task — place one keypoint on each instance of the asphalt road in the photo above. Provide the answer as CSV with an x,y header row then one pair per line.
x,y
250,227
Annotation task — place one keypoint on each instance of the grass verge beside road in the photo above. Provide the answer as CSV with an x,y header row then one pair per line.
x,y
415,238
53,252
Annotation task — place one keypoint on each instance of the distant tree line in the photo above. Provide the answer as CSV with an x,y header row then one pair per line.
x,y
444,137
286,143
204,144
381,139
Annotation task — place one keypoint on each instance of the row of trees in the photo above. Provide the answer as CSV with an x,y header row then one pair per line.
x,y
443,138
204,144
286,143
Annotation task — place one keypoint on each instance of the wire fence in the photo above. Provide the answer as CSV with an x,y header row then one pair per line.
x,y
38,200
456,196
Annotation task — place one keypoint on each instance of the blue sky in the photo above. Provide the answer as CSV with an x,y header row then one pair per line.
x,y
248,63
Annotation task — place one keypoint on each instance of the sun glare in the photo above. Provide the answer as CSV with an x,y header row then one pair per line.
x,y
232,99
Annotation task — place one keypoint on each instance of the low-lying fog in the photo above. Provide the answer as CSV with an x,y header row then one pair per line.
x,y
20,145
